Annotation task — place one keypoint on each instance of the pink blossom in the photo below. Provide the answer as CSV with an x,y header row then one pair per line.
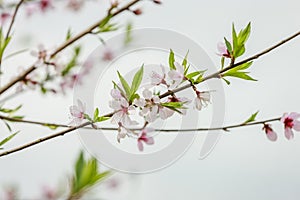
x,y
157,79
144,138
122,111
77,112
75,5
176,76
40,54
44,5
290,122
48,193
271,135
31,9
4,17
223,51
202,99
108,55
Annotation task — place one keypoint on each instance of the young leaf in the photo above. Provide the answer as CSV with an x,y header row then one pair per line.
x,y
8,138
101,119
125,85
128,36
136,82
251,118
184,62
239,74
96,113
172,60
228,46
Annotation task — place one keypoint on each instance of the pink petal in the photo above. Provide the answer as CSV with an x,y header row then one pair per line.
x,y
222,48
294,115
149,140
289,133
272,136
296,125
75,112
81,106
140,145
284,116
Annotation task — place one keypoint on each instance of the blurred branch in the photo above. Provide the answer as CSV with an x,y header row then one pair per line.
x,y
69,42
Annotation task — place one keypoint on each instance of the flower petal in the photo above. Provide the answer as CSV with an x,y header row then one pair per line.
x,y
288,133
140,145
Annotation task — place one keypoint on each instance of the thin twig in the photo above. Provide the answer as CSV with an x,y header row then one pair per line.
x,y
62,133
13,18
47,124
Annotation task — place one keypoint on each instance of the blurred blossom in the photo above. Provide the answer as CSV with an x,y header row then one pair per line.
x,y
202,99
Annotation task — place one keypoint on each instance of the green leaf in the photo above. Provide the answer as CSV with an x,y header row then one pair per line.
x,y
73,62
105,21
96,113
222,62
234,40
125,85
239,74
86,116
226,81
8,126
79,165
244,34
193,74
242,66
69,34
136,82
128,36
228,46
251,118
8,138
172,60
184,62
102,118
173,104
51,126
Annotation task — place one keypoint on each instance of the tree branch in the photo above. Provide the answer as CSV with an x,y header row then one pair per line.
x,y
70,129
233,65
66,44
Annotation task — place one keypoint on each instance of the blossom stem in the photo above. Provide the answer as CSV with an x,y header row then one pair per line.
x,y
66,44
84,125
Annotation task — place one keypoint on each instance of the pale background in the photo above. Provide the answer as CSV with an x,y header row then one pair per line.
x,y
244,164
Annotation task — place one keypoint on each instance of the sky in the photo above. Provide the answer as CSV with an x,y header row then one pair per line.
x,y
243,165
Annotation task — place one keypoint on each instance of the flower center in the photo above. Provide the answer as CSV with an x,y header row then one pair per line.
x,y
288,122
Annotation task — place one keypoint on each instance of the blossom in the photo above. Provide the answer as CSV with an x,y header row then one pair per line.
x,y
4,17
290,122
77,112
122,110
75,5
272,136
223,51
157,79
176,76
144,138
122,132
202,99
41,54
108,55
44,5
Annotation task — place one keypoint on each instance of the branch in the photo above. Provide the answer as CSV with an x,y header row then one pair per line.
x,y
66,44
61,133
13,18
233,65
70,129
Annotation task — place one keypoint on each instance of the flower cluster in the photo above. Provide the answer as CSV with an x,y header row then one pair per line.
x,y
290,121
